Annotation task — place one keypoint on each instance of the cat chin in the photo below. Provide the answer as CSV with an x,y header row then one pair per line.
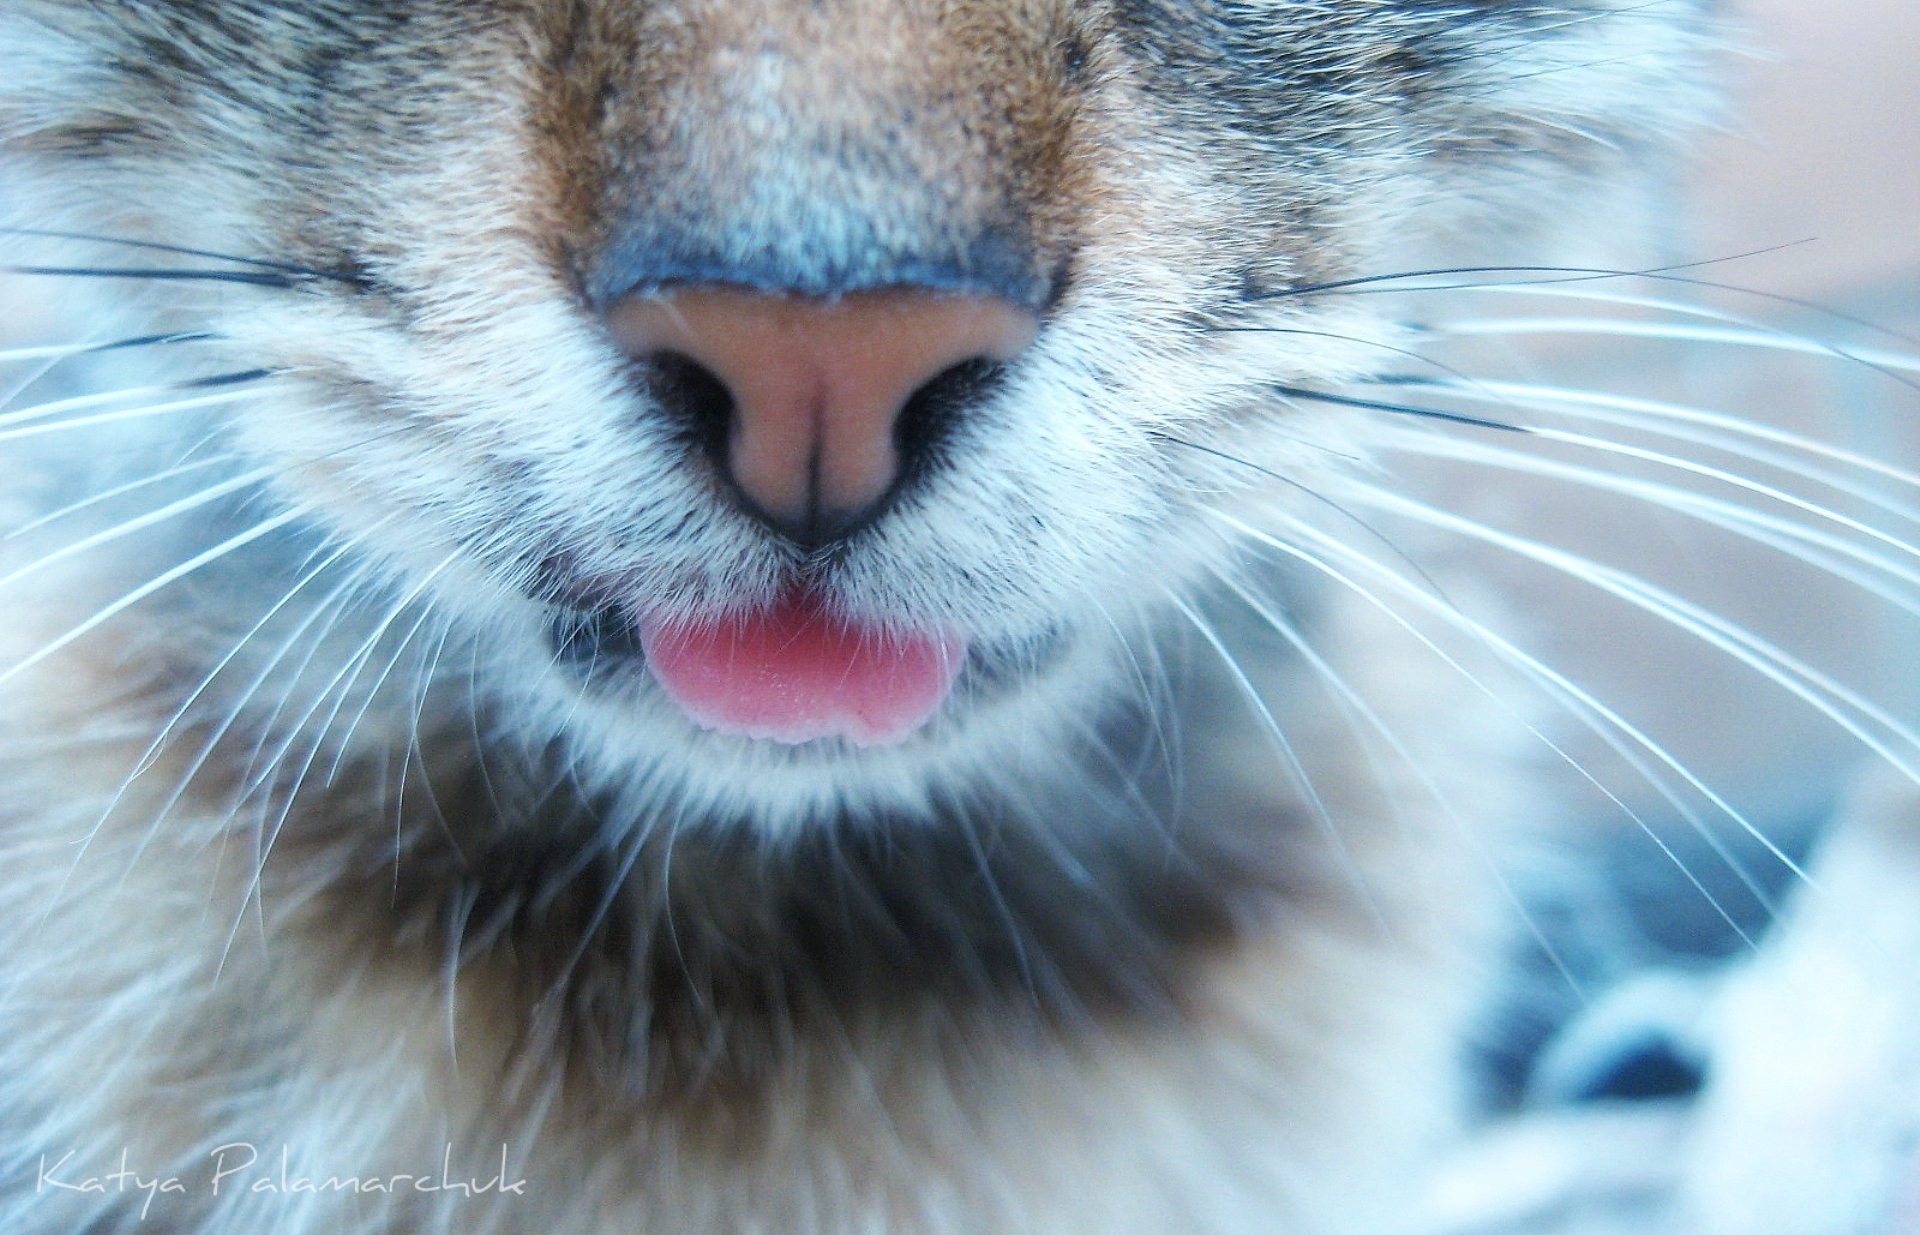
x,y
1015,715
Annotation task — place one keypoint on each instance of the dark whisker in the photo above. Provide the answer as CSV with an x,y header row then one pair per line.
x,y
1378,284
1402,409
152,340
228,379
261,263
158,274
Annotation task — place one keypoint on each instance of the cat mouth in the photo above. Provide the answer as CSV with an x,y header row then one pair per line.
x,y
793,672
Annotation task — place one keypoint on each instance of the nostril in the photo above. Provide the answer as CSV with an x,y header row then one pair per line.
x,y
693,395
931,411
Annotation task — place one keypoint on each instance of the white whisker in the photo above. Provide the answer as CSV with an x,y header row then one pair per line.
x,y
1358,707
105,398
185,505
1733,479
1839,703
153,585
118,491
1728,336
68,424
341,685
1822,549
1557,684
1695,311
323,610
1659,416
1297,769
180,713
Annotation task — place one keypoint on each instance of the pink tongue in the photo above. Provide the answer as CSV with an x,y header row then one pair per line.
x,y
794,673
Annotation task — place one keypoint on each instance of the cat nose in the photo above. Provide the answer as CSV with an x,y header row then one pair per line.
x,y
817,407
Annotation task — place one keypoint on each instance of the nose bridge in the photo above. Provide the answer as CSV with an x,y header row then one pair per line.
x,y
835,146
817,387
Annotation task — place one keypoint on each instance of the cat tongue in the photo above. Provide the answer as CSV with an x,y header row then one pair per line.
x,y
793,673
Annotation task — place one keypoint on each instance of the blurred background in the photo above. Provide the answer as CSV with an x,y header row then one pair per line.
x,y
1721,1046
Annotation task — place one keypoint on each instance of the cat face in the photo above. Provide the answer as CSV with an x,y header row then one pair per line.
x,y
922,337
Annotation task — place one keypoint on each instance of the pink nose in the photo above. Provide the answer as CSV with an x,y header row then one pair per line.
x,y
817,387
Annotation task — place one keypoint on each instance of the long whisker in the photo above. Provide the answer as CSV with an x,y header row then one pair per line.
x,y
118,491
151,246
346,733
1555,684
1734,480
78,403
1358,707
167,274
1400,409
347,674
1543,276
210,494
108,613
1152,688
328,729
325,610
1296,768
340,685
185,708
1523,275
1808,544
1693,309
1839,703
1642,454
63,351
1660,416
1891,364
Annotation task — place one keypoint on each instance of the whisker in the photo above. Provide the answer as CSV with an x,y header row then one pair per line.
x,y
62,351
1675,462
118,491
1839,703
185,505
1771,530
159,740
1555,684
323,610
1659,416
1605,722
1733,480
1545,275
166,577
1164,721
1891,364
80,403
1687,308
345,739
151,246
340,688
1400,409
166,274
424,673
349,671
327,731
1357,706
1296,768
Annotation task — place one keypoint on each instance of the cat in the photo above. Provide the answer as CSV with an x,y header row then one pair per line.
x,y
743,615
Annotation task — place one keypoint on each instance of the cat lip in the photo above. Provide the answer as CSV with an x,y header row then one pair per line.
x,y
585,639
